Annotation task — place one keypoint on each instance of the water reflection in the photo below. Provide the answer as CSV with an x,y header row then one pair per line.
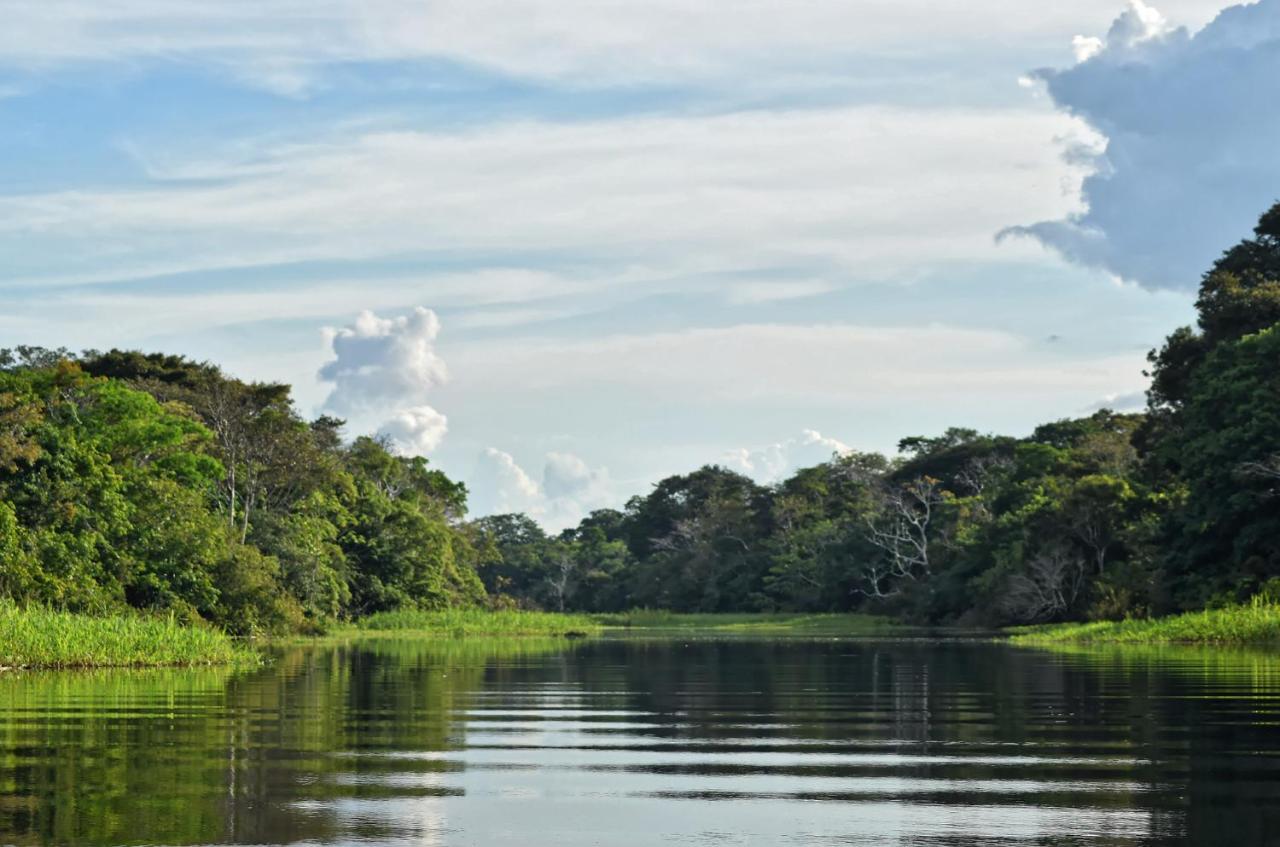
x,y
652,742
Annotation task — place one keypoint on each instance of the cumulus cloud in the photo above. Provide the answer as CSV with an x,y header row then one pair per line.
x,y
565,476
415,431
499,485
569,490
1190,158
382,364
778,460
383,361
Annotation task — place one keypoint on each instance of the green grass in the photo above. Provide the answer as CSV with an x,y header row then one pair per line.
x,y
42,638
481,623
751,624
463,623
410,646
1253,623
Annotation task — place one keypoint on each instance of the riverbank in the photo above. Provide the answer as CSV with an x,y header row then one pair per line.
x,y
1251,623
42,638
38,638
464,623
762,623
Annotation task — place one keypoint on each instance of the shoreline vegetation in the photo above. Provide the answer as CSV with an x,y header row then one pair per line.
x,y
1254,623
38,638
469,623
661,622
162,491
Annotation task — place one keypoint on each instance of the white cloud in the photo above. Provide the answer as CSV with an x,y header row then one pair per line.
x,y
499,485
389,364
501,318
1083,46
1132,401
415,431
569,490
773,290
1136,25
681,398
839,363
1190,160
861,191
780,459
573,489
566,475
480,297
279,44
383,361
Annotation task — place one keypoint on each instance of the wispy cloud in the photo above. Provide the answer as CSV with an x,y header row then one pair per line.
x,y
606,182
773,290
862,190
279,44
840,363
679,399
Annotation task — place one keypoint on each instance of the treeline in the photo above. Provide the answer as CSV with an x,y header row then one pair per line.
x,y
157,482
1103,517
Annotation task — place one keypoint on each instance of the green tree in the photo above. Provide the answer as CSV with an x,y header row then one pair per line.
x,y
1215,402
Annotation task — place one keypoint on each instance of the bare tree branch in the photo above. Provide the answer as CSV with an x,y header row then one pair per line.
x,y
981,471
1047,589
562,577
902,532
1268,469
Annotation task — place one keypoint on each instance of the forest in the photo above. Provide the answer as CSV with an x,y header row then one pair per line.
x,y
151,481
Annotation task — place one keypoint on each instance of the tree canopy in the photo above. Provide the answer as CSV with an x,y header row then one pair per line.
x,y
154,481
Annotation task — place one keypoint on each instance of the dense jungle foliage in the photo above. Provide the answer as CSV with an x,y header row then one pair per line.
x,y
156,482
146,480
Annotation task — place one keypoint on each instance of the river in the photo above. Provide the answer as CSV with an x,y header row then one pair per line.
x,y
681,741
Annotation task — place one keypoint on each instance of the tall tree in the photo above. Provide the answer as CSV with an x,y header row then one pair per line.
x,y
1215,413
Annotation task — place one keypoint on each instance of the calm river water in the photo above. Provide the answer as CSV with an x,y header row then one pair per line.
x,y
629,742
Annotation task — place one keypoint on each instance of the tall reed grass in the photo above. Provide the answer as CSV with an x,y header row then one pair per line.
x,y
1257,622
42,638
460,623
762,623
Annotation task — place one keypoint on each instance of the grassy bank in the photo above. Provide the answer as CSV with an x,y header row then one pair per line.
x,y
750,624
461,623
1252,623
40,638
481,623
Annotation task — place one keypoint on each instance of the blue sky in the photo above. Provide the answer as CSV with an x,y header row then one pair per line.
x,y
650,234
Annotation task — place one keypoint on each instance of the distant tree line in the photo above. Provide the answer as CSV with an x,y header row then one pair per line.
x,y
157,482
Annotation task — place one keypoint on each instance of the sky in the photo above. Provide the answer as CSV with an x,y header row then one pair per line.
x,y
565,248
